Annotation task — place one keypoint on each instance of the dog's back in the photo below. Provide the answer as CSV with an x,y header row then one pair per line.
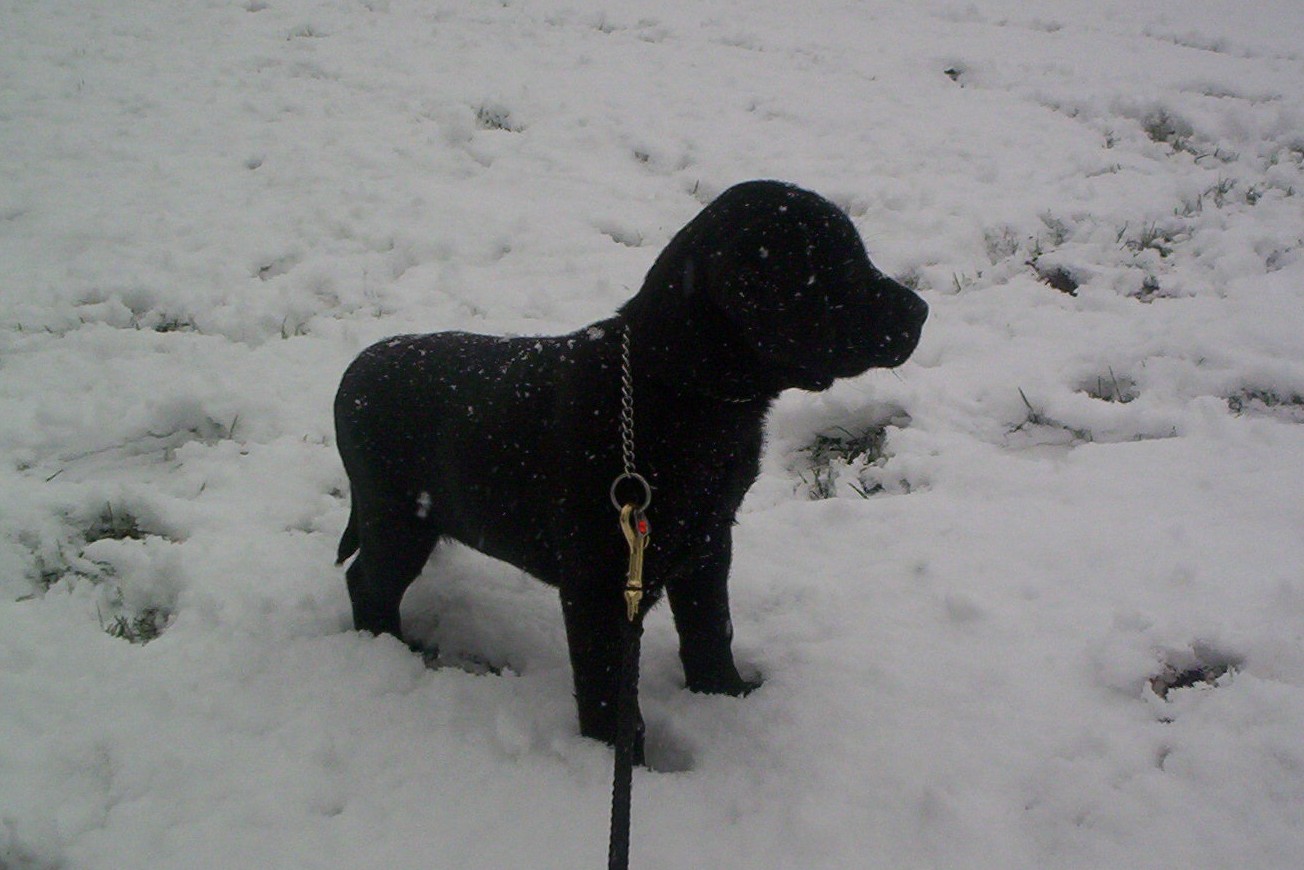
x,y
455,428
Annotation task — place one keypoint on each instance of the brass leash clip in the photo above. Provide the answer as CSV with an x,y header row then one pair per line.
x,y
635,526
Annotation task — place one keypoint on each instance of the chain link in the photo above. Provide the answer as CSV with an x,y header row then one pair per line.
x,y
627,430
626,404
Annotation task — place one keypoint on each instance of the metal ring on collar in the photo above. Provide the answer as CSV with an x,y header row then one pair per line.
x,y
638,479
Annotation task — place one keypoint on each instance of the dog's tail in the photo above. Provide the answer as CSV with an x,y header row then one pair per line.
x,y
349,540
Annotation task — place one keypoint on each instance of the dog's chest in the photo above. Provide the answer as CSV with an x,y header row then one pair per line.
x,y
702,465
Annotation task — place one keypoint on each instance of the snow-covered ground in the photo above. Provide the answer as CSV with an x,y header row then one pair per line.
x,y
1084,492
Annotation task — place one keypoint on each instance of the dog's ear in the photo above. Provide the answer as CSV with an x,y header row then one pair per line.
x,y
763,268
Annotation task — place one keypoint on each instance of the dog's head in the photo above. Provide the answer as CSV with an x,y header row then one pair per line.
x,y
787,273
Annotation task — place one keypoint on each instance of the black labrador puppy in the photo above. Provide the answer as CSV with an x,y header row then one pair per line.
x,y
511,445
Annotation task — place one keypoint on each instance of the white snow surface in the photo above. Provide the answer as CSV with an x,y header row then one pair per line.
x,y
208,207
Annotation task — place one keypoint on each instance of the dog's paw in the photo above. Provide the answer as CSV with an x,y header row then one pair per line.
x,y
724,684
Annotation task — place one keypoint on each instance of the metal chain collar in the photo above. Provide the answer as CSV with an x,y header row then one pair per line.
x,y
627,430
626,404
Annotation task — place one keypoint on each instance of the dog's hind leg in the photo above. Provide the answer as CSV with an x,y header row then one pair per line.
x,y
394,547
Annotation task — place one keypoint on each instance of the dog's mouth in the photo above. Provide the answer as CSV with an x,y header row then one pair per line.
x,y
892,349
817,371
815,382
898,316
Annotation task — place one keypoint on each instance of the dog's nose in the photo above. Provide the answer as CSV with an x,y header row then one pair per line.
x,y
916,308
909,310
900,319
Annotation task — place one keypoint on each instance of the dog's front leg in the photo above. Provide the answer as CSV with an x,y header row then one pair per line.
x,y
699,601
593,633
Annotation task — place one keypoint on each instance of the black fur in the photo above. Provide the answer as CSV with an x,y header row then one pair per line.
x,y
510,445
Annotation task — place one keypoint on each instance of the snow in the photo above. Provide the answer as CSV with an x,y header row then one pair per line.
x,y
208,207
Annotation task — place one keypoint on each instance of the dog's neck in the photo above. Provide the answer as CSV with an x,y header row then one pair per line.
x,y
729,374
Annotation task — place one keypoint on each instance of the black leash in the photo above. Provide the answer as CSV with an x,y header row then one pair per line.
x,y
622,781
